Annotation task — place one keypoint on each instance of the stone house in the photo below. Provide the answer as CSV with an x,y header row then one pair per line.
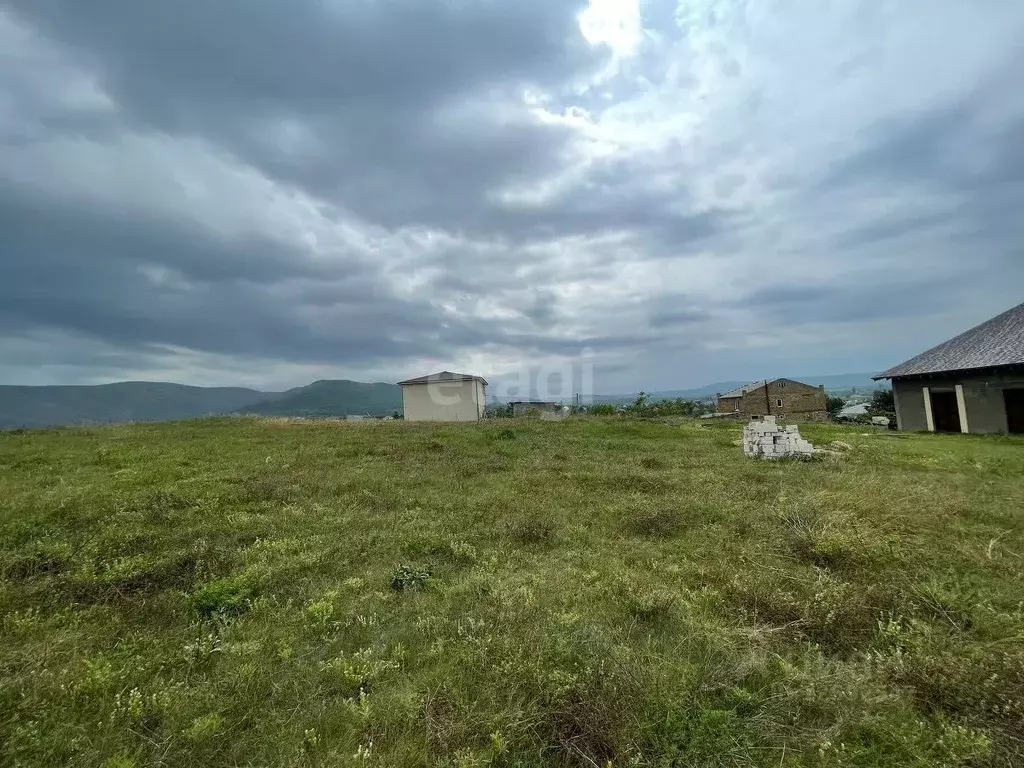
x,y
972,383
783,398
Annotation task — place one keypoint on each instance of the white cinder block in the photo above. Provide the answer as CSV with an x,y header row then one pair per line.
x,y
767,440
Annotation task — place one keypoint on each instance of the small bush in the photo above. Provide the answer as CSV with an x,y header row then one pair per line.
x,y
407,578
230,595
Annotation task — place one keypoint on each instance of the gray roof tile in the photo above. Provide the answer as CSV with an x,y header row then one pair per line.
x,y
996,342
435,378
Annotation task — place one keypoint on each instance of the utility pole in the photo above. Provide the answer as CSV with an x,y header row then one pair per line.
x,y
767,400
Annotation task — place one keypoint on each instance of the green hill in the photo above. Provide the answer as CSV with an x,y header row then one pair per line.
x,y
332,398
23,406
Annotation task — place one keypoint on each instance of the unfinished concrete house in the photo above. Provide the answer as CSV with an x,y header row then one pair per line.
x,y
783,398
444,396
971,383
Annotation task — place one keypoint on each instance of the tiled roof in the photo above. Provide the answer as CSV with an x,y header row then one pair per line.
x,y
747,388
996,342
435,378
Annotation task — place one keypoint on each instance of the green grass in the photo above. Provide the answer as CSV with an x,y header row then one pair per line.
x,y
593,592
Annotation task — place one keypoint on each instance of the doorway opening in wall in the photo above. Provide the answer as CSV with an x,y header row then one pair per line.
x,y
1014,400
945,413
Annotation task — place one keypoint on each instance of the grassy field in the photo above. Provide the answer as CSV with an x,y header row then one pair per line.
x,y
595,592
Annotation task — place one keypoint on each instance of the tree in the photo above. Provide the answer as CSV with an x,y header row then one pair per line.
x,y
882,402
834,405
641,402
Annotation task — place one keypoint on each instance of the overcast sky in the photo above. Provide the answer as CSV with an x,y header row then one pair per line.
x,y
267,193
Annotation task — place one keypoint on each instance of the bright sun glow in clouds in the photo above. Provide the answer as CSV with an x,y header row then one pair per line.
x,y
615,23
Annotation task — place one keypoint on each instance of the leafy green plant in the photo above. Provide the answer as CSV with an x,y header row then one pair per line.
x,y
406,578
229,595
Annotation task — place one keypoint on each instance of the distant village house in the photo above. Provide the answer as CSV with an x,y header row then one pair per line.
x,y
972,383
783,398
444,396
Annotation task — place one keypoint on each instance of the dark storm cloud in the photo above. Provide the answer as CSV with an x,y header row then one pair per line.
x,y
69,268
852,302
670,318
969,152
72,269
173,60
364,86
396,110
368,182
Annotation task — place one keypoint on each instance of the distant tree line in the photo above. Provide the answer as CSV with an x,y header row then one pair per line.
x,y
643,407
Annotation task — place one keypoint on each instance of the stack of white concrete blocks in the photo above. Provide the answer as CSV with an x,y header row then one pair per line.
x,y
763,438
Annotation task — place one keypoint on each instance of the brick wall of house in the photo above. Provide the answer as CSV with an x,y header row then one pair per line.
x,y
729,404
788,398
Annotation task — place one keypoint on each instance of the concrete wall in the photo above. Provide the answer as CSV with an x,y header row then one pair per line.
x,y
982,397
909,399
481,398
444,401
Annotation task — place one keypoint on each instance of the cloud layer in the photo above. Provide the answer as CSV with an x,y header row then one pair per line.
x,y
267,193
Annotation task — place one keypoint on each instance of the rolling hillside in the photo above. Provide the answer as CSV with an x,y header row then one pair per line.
x,y
332,398
22,406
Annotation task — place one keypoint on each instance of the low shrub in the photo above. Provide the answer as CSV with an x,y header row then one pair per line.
x,y
228,596
407,578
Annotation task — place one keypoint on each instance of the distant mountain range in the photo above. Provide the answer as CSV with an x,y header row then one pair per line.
x,y
332,398
22,406
159,401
